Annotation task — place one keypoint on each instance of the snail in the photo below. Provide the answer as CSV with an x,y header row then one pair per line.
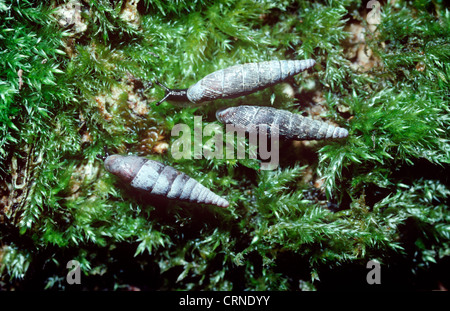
x,y
237,80
154,178
290,126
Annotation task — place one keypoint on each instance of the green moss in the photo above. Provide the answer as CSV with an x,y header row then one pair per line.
x,y
381,194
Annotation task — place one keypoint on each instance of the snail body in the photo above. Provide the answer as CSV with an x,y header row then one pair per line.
x,y
238,80
155,178
290,126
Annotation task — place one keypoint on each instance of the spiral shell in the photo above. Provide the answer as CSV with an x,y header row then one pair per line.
x,y
157,179
244,79
289,125
238,80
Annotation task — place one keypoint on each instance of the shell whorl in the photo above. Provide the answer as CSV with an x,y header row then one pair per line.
x,y
157,179
244,79
289,125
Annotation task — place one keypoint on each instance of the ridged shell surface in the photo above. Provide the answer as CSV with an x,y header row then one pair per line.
x,y
157,179
244,79
289,125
